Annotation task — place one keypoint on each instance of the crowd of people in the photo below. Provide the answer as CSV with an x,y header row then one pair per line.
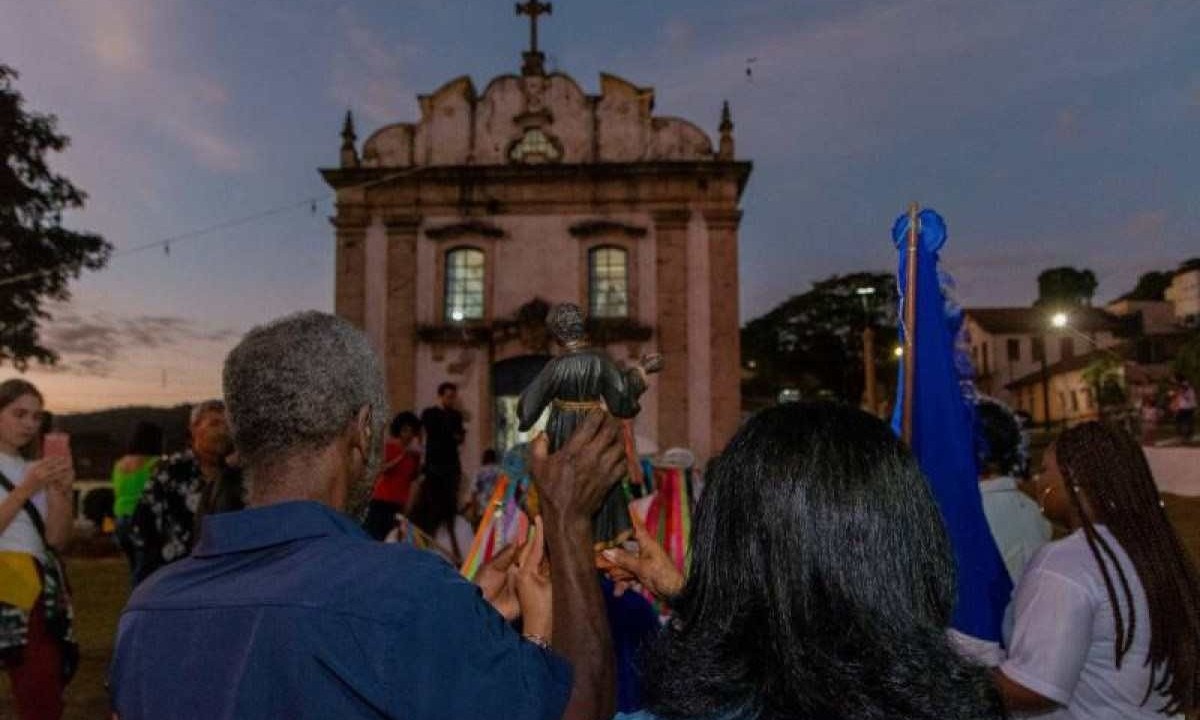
x,y
820,580
1176,404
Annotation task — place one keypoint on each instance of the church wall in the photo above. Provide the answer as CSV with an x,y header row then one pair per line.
x,y
391,146
622,121
572,118
671,286
509,104
725,398
647,422
427,302
675,139
375,281
699,338
494,113
349,290
538,259
467,368
450,131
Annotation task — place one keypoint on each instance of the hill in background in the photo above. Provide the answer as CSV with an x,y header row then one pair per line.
x,y
99,438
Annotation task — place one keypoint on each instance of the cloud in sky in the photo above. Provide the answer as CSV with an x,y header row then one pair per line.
x,y
126,63
98,344
369,71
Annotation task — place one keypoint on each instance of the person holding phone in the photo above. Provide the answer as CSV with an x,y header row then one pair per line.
x,y
36,641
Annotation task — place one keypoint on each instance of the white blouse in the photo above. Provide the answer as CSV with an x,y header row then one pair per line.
x,y
1063,640
21,535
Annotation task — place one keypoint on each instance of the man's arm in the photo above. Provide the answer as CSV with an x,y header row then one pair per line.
x,y
143,524
572,484
459,428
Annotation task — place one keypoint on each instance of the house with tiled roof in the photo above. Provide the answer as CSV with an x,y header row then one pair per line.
x,y
1009,343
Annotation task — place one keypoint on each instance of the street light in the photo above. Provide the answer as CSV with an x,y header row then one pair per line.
x,y
898,351
869,384
1062,321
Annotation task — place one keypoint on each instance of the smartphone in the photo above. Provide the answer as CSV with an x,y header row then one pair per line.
x,y
56,445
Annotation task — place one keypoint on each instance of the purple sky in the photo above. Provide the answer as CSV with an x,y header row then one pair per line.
x,y
1045,132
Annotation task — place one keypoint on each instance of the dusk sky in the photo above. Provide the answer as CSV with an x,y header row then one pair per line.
x,y
1045,132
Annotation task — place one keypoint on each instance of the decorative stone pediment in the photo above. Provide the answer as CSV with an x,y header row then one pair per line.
x,y
536,119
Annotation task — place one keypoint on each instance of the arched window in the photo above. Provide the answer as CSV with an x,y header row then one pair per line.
x,y
464,284
608,282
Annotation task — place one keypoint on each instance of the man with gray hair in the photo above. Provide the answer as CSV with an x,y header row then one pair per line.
x,y
181,489
287,609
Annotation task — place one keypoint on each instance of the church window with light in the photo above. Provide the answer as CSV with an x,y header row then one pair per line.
x,y
608,282
464,284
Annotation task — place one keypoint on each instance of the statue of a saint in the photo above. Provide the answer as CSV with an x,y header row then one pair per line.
x,y
582,379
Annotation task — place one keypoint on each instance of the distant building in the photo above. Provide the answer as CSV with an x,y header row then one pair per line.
x,y
1143,369
1071,398
1153,317
1184,294
1010,343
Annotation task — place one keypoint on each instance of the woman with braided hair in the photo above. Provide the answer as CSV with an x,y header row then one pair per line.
x,y
1108,618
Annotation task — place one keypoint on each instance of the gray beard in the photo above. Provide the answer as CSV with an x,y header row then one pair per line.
x,y
358,495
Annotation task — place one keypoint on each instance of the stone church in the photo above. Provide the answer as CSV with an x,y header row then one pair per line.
x,y
456,232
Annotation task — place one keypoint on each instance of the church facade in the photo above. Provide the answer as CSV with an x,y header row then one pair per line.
x,y
455,233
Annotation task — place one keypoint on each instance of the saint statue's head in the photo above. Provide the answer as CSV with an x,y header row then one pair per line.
x,y
566,324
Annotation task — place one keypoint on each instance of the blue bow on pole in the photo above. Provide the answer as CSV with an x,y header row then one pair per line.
x,y
940,425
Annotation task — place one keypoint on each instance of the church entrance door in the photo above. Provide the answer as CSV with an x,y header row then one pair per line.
x,y
509,379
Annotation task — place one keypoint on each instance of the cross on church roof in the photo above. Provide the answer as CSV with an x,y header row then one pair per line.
x,y
534,58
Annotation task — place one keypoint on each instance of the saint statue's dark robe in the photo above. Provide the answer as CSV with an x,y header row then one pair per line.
x,y
572,384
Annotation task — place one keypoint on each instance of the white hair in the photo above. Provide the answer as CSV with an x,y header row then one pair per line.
x,y
295,384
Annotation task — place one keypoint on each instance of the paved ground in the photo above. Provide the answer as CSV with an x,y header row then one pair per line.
x,y
101,586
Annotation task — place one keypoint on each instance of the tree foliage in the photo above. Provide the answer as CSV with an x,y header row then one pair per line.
x,y
1105,378
813,341
38,256
1150,286
1066,286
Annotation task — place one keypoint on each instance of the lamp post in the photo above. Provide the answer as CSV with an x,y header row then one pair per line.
x,y
869,383
1045,384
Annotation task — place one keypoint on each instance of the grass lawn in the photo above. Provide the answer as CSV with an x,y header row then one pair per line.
x,y
101,587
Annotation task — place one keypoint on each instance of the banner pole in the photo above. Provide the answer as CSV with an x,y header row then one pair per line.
x,y
910,325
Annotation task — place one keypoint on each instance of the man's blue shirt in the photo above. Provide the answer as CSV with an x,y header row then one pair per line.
x,y
292,611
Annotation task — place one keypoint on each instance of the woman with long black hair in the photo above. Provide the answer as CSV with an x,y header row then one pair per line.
x,y
1108,618
820,587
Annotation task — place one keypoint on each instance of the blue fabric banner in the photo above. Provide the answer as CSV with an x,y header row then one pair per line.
x,y
943,433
